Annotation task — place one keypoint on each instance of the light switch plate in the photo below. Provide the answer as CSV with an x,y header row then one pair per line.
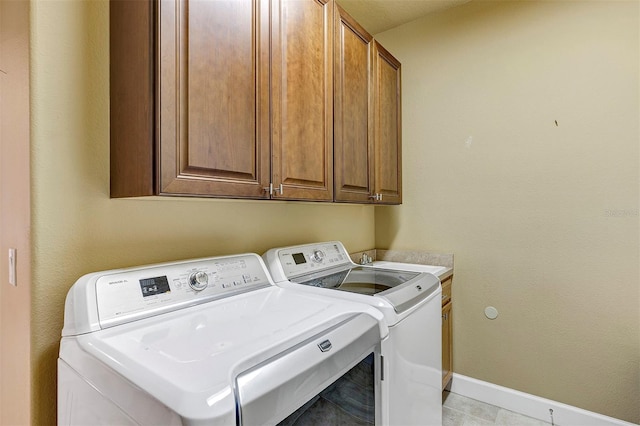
x,y
12,267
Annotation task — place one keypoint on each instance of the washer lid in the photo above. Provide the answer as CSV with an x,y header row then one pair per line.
x,y
402,289
363,280
188,359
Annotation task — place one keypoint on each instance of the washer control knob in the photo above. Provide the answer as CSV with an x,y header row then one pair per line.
x,y
198,280
317,256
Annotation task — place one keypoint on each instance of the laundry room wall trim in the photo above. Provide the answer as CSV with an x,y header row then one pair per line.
x,y
529,405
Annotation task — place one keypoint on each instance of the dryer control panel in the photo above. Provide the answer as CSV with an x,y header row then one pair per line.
x,y
126,295
311,258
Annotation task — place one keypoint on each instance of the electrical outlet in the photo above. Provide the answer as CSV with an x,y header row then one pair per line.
x,y
12,267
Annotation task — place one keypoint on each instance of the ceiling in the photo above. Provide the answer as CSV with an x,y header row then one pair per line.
x,y
380,15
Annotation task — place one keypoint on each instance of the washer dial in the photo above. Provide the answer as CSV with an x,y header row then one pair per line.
x,y
198,280
317,256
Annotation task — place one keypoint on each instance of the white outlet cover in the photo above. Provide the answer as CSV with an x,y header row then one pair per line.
x,y
491,312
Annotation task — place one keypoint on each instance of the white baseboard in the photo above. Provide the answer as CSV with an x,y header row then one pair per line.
x,y
529,405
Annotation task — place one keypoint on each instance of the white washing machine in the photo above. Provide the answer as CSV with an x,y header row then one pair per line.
x,y
410,303
213,341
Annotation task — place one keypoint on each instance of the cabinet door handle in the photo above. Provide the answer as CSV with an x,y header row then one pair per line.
x,y
271,190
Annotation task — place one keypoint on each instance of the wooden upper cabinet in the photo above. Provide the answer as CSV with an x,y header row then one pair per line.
x,y
214,98
196,92
229,98
302,99
388,126
353,110
367,117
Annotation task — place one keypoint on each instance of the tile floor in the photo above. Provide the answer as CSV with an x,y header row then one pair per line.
x,y
458,410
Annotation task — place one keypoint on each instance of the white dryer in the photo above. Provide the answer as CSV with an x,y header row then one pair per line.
x,y
410,303
213,341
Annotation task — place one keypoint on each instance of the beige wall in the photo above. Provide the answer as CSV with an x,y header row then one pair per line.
x,y
15,386
542,218
78,229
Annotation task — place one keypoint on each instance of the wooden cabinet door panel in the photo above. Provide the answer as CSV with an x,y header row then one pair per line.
x,y
214,97
131,89
301,90
353,138
221,88
447,352
388,146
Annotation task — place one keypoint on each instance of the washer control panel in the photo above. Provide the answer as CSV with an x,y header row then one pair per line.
x,y
127,295
310,258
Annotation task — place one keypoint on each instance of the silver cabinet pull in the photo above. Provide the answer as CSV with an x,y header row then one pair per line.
x,y
271,190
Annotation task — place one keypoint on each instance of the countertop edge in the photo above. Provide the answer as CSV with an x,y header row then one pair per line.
x,y
409,256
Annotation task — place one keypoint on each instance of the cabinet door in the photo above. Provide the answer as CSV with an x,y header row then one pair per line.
x,y
302,99
447,353
388,129
353,110
213,104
